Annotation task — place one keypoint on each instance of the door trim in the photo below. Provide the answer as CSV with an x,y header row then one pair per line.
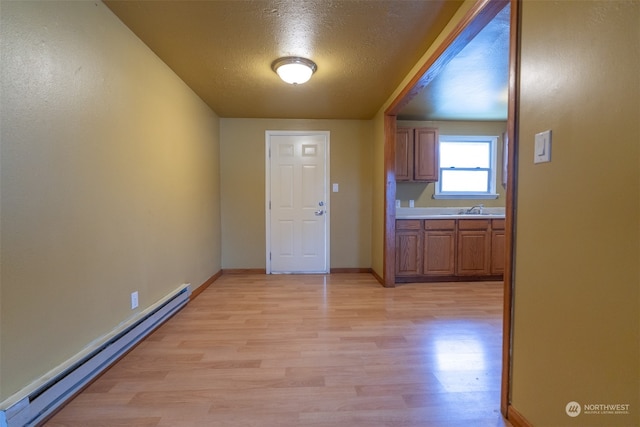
x,y
267,191
474,20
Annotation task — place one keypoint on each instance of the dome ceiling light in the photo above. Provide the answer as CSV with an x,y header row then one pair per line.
x,y
293,69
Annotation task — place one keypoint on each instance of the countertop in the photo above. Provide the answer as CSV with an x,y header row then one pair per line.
x,y
447,213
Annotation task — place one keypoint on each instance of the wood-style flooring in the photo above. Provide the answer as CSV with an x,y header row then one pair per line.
x,y
291,350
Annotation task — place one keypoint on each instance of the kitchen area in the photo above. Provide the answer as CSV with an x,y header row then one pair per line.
x,y
451,166
449,235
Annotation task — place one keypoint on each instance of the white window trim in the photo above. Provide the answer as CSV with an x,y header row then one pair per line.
x,y
493,140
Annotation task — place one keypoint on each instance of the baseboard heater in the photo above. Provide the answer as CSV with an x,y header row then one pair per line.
x,y
40,404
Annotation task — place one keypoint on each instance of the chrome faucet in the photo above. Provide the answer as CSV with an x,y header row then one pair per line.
x,y
477,208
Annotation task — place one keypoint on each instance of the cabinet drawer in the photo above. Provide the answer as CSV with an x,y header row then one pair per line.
x,y
473,224
408,224
439,224
497,224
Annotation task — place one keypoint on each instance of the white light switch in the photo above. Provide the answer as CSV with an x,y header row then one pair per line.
x,y
542,147
335,187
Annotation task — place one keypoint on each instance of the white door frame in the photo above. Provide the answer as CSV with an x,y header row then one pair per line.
x,y
268,135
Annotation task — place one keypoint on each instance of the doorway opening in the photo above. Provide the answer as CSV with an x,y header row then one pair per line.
x,y
477,18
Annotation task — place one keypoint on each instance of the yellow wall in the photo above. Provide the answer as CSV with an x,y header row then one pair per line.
x,y
422,193
243,189
110,183
577,326
377,201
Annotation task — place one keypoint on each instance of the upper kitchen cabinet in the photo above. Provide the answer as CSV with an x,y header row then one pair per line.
x,y
417,154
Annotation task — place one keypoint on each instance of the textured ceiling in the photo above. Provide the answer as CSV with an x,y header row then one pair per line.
x,y
224,49
364,48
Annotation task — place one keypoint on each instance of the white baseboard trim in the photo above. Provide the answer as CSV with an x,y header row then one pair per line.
x,y
28,408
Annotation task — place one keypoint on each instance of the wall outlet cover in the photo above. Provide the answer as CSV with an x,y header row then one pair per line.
x,y
134,300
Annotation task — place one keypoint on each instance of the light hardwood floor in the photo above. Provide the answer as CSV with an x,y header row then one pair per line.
x,y
289,350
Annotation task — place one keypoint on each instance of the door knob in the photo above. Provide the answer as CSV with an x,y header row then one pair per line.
x,y
319,212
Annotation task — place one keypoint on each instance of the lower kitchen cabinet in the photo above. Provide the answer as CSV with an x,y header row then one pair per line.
x,y
497,246
474,247
449,249
439,247
409,244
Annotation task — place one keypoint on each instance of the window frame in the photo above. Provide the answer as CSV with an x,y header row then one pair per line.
x,y
492,171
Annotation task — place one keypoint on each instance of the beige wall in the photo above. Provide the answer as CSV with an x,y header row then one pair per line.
x,y
243,189
422,193
577,325
110,183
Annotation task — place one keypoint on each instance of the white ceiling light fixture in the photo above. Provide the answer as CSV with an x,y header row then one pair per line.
x,y
293,69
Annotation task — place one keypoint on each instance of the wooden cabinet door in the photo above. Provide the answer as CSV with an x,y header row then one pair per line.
x,y
408,253
474,250
497,252
439,252
425,161
404,154
497,246
409,247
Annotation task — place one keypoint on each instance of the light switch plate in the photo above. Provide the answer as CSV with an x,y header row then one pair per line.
x,y
335,187
542,147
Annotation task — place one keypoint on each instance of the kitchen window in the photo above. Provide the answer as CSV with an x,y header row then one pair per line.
x,y
467,167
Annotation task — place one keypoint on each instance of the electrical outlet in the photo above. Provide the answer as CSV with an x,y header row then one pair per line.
x,y
134,300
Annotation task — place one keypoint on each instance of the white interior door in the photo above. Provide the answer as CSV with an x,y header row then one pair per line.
x,y
297,202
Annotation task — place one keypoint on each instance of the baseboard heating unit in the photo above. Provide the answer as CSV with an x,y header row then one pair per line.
x,y
39,404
